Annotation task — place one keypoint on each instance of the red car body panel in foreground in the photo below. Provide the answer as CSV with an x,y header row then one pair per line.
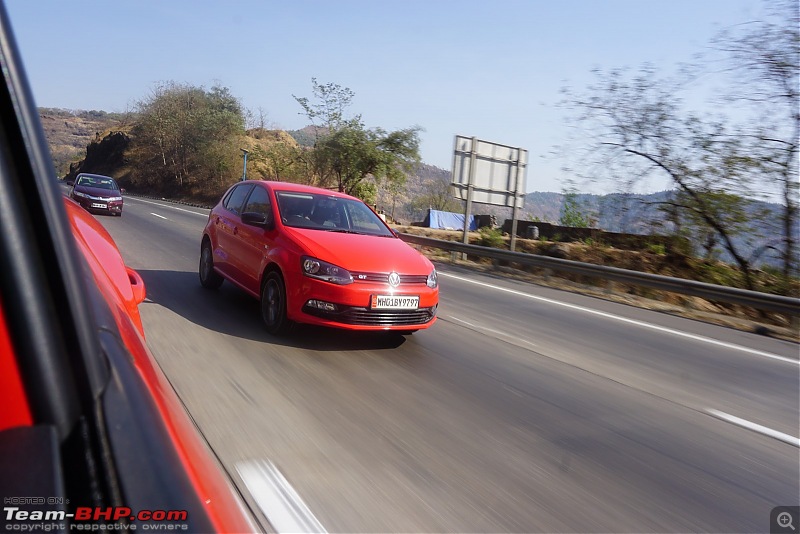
x,y
16,410
89,424
245,254
124,291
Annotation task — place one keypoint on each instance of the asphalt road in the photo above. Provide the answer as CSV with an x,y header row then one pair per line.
x,y
524,409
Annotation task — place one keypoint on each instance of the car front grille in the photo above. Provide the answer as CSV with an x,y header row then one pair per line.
x,y
383,278
367,317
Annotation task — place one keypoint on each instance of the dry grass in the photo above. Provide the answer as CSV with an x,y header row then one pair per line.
x,y
733,316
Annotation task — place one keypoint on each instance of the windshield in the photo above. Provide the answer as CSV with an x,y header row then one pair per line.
x,y
98,182
329,213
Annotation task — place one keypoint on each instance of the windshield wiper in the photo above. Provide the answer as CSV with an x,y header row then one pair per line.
x,y
340,231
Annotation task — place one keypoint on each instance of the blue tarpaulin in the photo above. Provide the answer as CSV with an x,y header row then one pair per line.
x,y
448,220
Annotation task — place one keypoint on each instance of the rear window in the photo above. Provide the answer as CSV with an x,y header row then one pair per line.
x,y
236,198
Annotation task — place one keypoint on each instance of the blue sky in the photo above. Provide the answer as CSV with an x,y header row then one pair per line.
x,y
490,69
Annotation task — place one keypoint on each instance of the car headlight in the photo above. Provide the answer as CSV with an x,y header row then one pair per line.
x,y
322,270
432,281
79,194
112,199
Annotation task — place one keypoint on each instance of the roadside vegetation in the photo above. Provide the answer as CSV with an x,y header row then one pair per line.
x,y
636,126
187,142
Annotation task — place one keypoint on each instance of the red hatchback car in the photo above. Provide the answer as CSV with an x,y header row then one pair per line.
x,y
316,256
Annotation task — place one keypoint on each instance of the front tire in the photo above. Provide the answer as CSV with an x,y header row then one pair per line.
x,y
273,305
209,278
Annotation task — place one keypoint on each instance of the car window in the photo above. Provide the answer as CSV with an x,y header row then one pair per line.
x,y
258,202
237,197
364,220
295,208
327,212
98,182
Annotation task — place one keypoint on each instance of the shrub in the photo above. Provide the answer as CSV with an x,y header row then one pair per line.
x,y
490,237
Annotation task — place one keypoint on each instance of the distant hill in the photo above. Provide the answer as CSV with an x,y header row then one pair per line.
x,y
639,214
306,136
68,132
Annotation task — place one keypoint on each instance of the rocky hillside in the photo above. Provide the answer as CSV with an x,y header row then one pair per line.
x,y
69,132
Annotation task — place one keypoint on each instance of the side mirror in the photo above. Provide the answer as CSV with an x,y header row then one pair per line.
x,y
137,286
259,220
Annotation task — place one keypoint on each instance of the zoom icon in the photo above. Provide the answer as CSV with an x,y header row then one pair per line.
x,y
783,519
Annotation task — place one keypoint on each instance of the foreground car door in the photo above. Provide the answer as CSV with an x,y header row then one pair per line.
x,y
91,431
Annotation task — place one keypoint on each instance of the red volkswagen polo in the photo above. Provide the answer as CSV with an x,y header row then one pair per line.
x,y
316,256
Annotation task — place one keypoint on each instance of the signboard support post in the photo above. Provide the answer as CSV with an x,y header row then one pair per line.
x,y
515,211
470,188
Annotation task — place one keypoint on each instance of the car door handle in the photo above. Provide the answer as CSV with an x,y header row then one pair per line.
x,y
235,230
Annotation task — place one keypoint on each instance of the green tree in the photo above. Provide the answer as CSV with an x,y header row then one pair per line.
x,y
572,213
185,134
346,153
731,210
327,112
437,194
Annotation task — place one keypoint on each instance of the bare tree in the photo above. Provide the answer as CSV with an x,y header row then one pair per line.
x,y
765,57
638,129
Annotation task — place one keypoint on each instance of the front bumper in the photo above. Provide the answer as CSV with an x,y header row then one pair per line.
x,y
352,305
381,319
99,204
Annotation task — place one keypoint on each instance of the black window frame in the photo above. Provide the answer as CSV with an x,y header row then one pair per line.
x,y
230,195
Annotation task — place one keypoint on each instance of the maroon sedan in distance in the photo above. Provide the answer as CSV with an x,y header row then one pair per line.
x,y
95,192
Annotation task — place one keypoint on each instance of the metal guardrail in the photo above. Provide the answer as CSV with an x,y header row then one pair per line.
x,y
744,297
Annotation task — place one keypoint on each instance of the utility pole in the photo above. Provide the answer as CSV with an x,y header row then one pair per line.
x,y
244,157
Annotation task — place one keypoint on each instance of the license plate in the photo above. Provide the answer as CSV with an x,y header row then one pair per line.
x,y
96,205
395,302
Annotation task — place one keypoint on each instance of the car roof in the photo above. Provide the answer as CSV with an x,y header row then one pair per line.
x,y
103,176
300,188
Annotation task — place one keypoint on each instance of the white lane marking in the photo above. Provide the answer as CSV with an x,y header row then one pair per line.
x,y
166,206
279,502
744,423
642,324
159,216
485,329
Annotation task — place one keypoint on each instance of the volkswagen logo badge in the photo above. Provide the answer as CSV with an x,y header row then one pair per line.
x,y
394,279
